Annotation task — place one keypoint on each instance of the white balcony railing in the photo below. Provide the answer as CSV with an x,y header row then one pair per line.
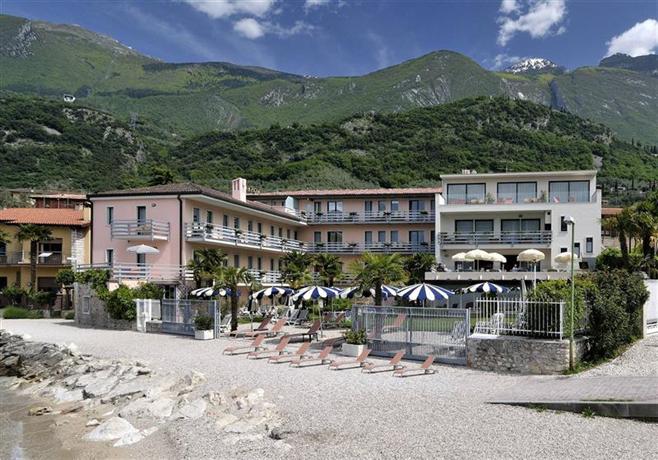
x,y
380,217
18,257
509,199
355,248
139,230
490,238
203,232
137,272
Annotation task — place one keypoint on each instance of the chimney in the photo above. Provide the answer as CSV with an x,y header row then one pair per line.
x,y
239,189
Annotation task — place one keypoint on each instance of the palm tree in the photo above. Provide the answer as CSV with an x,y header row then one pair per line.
x,y
205,263
296,269
34,234
645,221
329,266
231,278
624,226
417,265
374,270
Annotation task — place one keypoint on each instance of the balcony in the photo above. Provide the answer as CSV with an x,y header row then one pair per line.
x,y
370,217
358,248
137,272
20,258
147,230
522,199
266,277
472,240
227,236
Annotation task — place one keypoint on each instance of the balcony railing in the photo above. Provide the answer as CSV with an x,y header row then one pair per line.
x,y
140,230
227,235
138,272
490,238
356,248
16,258
379,217
543,197
266,277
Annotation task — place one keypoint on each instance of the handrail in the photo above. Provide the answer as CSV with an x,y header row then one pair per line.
x,y
474,238
353,217
351,248
212,232
134,228
19,257
542,197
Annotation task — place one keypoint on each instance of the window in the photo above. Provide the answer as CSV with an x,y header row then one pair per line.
x,y
381,236
259,263
141,259
288,233
209,217
260,228
250,262
368,237
335,237
317,237
334,206
416,236
519,225
271,230
141,213
109,215
109,257
236,260
563,224
474,226
250,226
280,232
317,207
395,205
564,250
395,236
516,192
3,282
236,223
225,220
576,249
381,206
466,193
295,235
3,249
589,245
416,205
367,206
569,191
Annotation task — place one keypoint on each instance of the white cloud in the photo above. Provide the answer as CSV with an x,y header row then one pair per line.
x,y
308,4
539,18
225,8
382,52
639,40
249,27
502,61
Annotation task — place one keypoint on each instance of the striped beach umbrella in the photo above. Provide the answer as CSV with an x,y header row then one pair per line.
x,y
350,292
487,287
211,292
423,292
315,293
271,292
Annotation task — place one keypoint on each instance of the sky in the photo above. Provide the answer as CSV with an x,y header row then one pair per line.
x,y
354,37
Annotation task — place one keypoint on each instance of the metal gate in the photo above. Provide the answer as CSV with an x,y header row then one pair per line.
x,y
147,310
178,315
418,331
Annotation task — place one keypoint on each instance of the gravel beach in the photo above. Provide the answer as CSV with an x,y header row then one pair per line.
x,y
347,414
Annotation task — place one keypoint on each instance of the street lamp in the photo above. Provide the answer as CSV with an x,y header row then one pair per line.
x,y
569,220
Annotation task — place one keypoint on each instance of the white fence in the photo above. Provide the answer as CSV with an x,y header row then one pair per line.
x,y
147,310
530,318
651,308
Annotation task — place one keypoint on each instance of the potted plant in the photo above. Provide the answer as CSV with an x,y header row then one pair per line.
x,y
355,342
203,328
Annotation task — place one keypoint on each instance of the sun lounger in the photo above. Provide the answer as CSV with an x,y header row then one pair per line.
x,y
311,333
392,365
423,369
301,317
261,327
359,361
293,316
334,322
285,357
267,352
396,324
317,360
255,345
278,327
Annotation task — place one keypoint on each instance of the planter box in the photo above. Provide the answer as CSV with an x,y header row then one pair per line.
x,y
204,335
352,350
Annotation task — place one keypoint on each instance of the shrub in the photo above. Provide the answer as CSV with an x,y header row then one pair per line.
x,y
203,323
15,294
19,313
69,315
65,277
148,291
97,279
609,258
555,291
346,324
120,303
356,337
339,304
41,298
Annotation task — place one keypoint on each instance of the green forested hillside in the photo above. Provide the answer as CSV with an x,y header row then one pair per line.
x,y
45,59
46,143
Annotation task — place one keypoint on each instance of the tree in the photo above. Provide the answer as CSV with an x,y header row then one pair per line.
x,y
34,234
231,278
205,263
296,269
329,267
4,237
65,279
161,175
374,270
417,265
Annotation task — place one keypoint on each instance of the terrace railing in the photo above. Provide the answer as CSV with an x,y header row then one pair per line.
x,y
522,198
138,272
227,235
375,217
266,277
356,248
140,230
18,257
529,318
486,238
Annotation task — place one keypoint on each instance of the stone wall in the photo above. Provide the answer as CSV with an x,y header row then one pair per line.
x,y
521,355
90,311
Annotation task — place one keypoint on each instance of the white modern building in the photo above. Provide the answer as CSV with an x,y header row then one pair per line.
x,y
510,212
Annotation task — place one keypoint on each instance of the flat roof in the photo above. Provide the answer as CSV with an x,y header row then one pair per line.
x,y
588,172
413,191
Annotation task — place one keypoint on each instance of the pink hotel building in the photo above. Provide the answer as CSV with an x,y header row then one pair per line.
x,y
255,231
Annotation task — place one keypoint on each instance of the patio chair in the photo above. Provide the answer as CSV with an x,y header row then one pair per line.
x,y
317,360
255,345
423,369
225,324
267,352
293,317
301,318
334,322
286,357
392,365
311,333
359,361
458,332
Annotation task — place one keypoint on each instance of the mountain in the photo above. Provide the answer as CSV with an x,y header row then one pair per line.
x,y
647,64
39,58
535,66
55,144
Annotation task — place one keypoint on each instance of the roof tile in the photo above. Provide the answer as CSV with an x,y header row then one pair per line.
x,y
44,216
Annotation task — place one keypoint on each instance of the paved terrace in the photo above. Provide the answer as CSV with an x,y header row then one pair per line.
x,y
346,414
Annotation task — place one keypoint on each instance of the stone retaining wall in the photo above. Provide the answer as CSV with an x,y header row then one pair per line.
x,y
521,355
90,311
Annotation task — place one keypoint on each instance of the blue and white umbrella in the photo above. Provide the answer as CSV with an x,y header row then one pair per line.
x,y
271,292
423,292
316,292
487,287
351,292
211,292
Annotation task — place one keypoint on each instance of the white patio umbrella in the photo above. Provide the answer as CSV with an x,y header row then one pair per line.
x,y
534,256
460,257
143,249
477,254
496,257
564,258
